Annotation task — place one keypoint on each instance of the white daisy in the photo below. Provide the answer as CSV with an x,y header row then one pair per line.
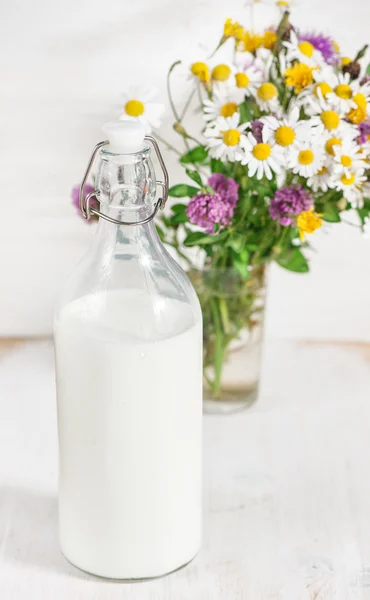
x,y
330,140
222,73
248,74
262,158
314,97
328,121
341,96
199,71
302,51
226,138
306,158
351,185
347,158
286,131
322,180
220,105
267,97
138,107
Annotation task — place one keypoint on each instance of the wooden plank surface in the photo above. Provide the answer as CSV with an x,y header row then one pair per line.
x,y
286,493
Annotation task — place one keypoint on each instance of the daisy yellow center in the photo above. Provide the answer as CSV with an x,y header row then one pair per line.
x,y
348,180
306,48
346,160
299,76
200,70
329,146
282,3
285,135
261,151
221,73
231,137
134,108
322,171
331,119
267,92
241,80
306,157
228,109
325,89
345,60
343,91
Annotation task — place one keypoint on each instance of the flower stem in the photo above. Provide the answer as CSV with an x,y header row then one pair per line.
x,y
172,104
187,104
218,350
167,144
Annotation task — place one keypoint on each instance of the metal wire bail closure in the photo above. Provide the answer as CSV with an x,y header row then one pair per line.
x,y
88,210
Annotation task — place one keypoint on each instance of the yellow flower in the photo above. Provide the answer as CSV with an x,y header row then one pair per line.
x,y
307,222
269,39
200,70
299,76
252,41
233,29
359,114
345,60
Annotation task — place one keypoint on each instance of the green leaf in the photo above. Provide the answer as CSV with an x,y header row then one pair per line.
x,y
194,175
217,166
293,260
242,269
245,110
177,208
361,53
197,238
236,243
182,190
364,211
331,213
180,217
197,155
368,69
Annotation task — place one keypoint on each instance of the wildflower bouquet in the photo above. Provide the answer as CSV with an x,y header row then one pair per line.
x,y
285,147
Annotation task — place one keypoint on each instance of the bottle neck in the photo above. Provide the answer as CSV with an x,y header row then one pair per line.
x,y
127,186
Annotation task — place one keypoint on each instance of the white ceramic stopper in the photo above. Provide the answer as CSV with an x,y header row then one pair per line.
x,y
125,137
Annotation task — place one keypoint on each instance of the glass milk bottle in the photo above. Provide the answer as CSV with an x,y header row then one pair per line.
x,y
128,340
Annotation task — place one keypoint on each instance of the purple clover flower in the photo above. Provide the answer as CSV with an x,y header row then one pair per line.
x,y
225,186
75,195
364,132
207,210
289,200
257,127
322,43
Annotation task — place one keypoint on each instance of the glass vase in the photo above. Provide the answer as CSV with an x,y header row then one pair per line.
x,y
233,315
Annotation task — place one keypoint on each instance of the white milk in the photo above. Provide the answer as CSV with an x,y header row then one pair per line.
x,y
129,416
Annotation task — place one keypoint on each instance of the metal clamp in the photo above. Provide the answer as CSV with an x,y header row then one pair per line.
x,y
88,210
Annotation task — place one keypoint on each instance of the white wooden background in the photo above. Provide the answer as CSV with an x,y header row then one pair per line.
x,y
63,68
286,489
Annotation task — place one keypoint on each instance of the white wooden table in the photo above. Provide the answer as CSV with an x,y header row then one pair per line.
x,y
287,486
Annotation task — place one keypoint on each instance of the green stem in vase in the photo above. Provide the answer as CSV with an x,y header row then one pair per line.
x,y
219,348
